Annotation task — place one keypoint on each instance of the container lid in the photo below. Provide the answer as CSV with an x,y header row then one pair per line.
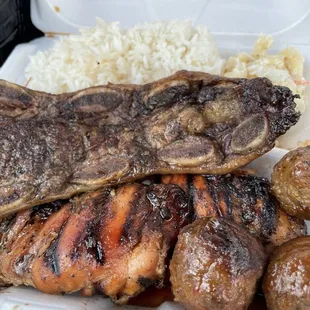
x,y
234,22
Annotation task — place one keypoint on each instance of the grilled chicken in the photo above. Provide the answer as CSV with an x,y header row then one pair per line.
x,y
216,265
112,241
55,146
291,182
245,198
116,240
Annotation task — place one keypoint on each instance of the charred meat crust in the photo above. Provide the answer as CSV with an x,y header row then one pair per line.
x,y
190,122
244,198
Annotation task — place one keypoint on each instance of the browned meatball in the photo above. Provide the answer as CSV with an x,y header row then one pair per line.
x,y
216,265
291,182
287,280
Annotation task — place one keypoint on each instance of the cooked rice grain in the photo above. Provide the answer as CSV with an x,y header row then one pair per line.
x,y
107,53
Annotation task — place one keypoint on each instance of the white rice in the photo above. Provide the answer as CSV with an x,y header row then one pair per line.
x,y
107,53
147,52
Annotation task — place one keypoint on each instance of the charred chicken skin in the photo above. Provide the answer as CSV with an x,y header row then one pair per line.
x,y
286,283
291,182
55,146
111,241
216,265
244,198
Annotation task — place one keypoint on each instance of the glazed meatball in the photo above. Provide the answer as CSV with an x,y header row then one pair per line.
x,y
216,265
291,182
287,280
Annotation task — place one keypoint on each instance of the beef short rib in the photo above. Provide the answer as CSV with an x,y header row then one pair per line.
x,y
55,146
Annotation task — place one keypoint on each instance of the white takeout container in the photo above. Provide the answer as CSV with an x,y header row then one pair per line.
x,y
235,26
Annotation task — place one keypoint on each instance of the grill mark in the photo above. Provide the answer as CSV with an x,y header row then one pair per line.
x,y
118,209
92,238
255,203
50,255
212,188
103,220
93,246
251,194
80,237
237,198
99,253
268,215
125,236
191,194
131,232
44,211
248,195
72,236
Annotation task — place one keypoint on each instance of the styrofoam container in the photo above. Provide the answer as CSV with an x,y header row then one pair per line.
x,y
235,26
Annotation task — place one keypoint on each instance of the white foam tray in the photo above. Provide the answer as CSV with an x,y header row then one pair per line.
x,y
287,20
